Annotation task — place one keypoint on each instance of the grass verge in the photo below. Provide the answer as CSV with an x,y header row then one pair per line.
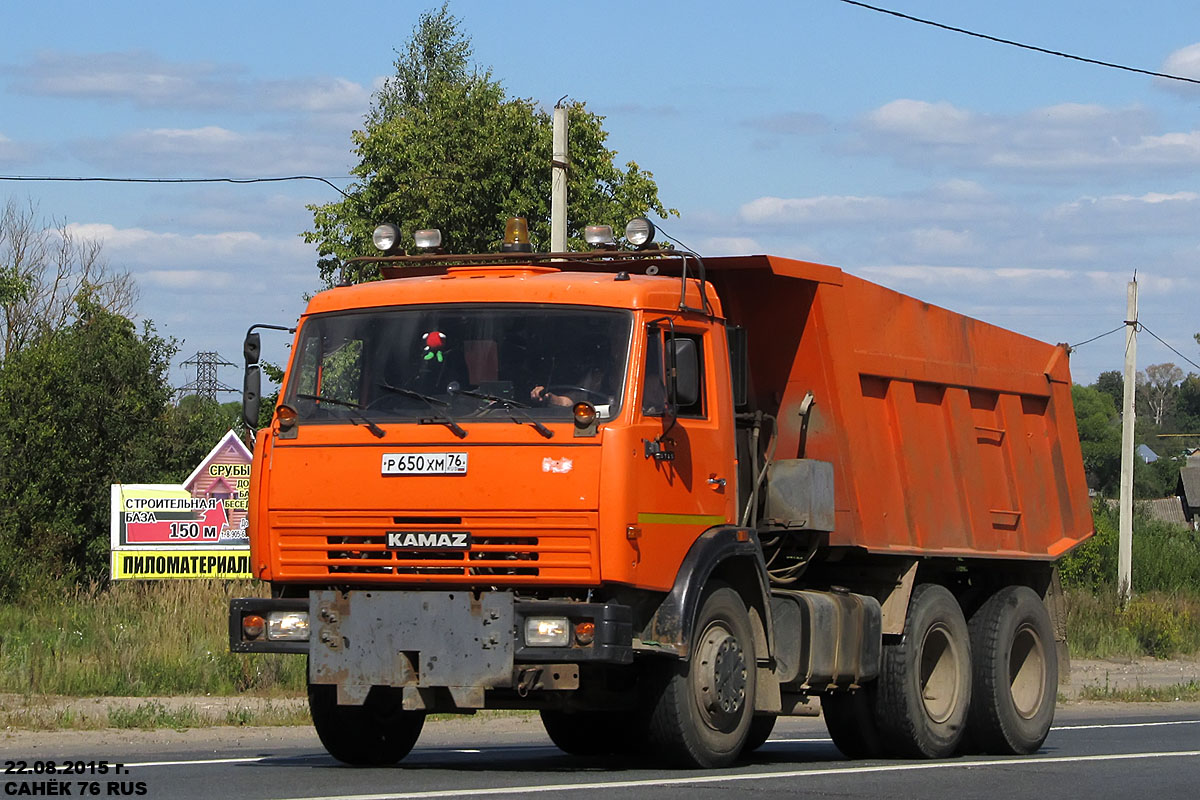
x,y
136,639
1189,691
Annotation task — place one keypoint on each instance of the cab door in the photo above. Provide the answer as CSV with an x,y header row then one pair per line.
x,y
683,473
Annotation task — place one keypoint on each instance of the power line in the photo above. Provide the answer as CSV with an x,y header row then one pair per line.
x,y
1142,325
1101,336
1023,46
53,178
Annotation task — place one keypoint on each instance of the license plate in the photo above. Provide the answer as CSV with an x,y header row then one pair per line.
x,y
424,464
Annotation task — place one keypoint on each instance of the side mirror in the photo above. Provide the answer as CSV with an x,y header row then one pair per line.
x,y
252,380
684,375
251,395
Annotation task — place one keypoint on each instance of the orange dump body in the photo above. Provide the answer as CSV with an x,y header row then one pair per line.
x,y
948,436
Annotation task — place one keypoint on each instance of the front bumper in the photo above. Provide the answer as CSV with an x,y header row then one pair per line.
x,y
452,638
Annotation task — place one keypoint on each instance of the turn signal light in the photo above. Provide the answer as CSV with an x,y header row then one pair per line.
x,y
286,416
253,626
585,413
585,632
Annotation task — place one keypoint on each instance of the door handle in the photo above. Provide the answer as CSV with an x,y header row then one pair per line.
x,y
717,483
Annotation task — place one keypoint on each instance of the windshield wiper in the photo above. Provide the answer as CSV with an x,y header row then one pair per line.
x,y
351,408
515,409
440,416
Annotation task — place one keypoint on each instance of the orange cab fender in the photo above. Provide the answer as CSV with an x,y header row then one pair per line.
x,y
728,555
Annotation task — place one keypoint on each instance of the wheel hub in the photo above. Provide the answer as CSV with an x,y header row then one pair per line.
x,y
720,672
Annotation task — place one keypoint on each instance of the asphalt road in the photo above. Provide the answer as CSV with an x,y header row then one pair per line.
x,y
1147,752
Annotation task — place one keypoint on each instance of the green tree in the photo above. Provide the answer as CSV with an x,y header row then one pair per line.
x,y
1099,437
81,407
1112,383
444,146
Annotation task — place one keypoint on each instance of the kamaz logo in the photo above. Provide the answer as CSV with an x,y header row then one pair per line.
x,y
411,540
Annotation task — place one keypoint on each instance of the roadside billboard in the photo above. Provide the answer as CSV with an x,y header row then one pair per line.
x,y
196,529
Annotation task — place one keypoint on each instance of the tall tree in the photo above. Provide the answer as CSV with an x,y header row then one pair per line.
x,y
444,146
1161,384
43,268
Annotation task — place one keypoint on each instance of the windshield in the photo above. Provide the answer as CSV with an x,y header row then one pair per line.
x,y
460,364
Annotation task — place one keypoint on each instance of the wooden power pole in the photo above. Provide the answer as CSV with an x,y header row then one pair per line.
x,y
1125,531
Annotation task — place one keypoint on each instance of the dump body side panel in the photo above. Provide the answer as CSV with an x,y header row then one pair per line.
x,y
948,436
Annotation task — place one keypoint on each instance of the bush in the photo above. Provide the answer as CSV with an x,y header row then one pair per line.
x,y
1166,557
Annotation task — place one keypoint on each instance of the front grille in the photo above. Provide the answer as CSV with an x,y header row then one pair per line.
x,y
489,555
547,548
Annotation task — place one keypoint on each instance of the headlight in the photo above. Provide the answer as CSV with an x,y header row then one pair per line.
x,y
547,631
386,237
599,237
428,239
287,626
640,232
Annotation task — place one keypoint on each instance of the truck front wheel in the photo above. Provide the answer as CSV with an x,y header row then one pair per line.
x,y
704,708
1015,671
377,733
924,688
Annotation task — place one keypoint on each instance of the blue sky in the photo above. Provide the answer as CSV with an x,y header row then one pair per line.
x,y
1016,187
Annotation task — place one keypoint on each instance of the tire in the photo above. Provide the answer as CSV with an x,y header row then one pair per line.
x,y
850,719
924,688
760,730
1015,671
376,733
704,706
587,733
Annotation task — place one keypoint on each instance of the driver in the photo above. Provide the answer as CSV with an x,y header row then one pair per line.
x,y
591,381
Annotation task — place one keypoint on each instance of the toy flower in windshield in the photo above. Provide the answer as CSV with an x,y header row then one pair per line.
x,y
434,342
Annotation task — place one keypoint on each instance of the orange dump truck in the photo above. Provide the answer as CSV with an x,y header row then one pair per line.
x,y
663,500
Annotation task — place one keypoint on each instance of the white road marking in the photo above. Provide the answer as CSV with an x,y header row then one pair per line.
x,y
1124,725
252,760
199,761
751,776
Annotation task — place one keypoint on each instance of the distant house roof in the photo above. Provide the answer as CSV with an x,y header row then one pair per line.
x,y
1146,454
1189,478
1166,509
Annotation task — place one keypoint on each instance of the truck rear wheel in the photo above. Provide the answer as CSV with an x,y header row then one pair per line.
x,y
377,733
587,733
850,720
1015,673
703,711
924,689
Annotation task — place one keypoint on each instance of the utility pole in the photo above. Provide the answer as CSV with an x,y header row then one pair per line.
x,y
558,182
1125,531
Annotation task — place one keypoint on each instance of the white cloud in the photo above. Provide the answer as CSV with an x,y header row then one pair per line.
x,y
147,80
729,246
931,123
147,251
213,150
180,279
1038,145
1184,62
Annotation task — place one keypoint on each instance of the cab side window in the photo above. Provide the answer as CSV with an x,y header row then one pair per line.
x,y
686,347
689,349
